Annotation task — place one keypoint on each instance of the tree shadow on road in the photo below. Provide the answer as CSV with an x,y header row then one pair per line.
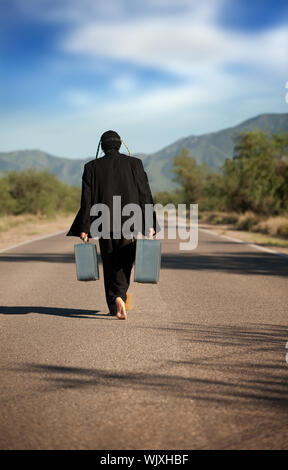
x,y
232,262
241,376
61,312
43,257
250,358
60,258
253,335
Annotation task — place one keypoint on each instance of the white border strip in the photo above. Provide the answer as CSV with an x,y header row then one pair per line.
x,y
236,240
33,240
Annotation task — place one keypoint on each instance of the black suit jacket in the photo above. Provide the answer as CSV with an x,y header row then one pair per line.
x,y
115,174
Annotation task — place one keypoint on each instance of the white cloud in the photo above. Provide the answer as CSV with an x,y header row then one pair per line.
x,y
76,11
197,50
79,98
124,83
157,102
185,47
186,41
76,134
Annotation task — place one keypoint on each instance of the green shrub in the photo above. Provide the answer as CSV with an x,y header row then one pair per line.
x,y
36,192
166,197
229,219
246,223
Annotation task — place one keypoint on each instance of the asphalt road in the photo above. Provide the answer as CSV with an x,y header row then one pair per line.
x,y
200,363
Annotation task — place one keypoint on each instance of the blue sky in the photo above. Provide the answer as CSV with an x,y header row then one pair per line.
x,y
155,71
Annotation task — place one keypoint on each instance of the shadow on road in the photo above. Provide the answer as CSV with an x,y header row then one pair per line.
x,y
60,258
61,312
247,368
270,337
43,257
233,262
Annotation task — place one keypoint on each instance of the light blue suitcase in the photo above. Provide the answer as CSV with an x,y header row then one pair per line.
x,y
147,261
86,261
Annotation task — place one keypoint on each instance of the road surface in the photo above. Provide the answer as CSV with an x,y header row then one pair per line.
x,y
200,363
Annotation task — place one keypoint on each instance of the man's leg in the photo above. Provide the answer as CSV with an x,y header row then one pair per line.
x,y
124,259
118,256
107,255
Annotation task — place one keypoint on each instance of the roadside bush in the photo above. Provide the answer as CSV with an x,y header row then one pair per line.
x,y
255,179
7,202
36,192
166,197
247,222
283,230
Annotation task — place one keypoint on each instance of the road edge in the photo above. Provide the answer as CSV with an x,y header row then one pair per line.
x,y
33,240
237,240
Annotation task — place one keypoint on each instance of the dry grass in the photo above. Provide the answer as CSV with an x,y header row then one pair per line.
x,y
19,228
272,231
249,227
275,226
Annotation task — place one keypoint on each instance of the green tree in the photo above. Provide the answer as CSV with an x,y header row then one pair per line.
x,y
189,176
7,203
36,192
281,143
255,178
166,197
213,193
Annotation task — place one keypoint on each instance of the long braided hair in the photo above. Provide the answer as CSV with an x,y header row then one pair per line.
x,y
107,138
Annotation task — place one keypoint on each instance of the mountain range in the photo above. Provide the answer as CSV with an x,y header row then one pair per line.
x,y
211,148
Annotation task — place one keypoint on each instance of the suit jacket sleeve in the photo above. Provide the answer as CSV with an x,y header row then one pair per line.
x,y
85,201
145,196
82,220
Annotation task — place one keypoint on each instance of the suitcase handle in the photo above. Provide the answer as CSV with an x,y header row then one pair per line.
x,y
145,237
148,237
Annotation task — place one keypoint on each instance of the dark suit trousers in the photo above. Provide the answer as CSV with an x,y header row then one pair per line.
x,y
118,257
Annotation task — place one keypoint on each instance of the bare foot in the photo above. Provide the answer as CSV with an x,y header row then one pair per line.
x,y
121,310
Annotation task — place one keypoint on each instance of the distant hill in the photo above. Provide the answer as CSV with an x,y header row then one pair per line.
x,y
66,169
212,148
